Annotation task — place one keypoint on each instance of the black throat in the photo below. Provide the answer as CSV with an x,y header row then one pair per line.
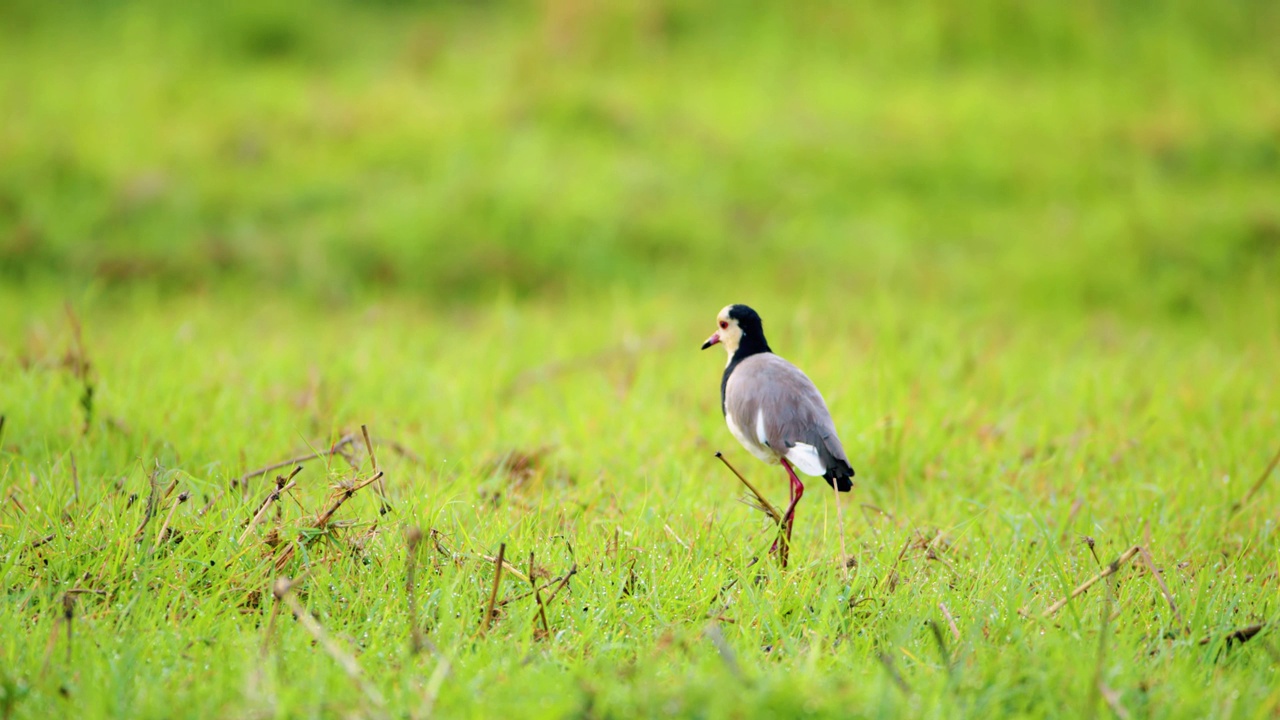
x,y
753,343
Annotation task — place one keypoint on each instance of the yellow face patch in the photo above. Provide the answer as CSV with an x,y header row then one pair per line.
x,y
729,332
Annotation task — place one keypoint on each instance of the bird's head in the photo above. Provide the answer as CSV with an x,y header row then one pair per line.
x,y
738,323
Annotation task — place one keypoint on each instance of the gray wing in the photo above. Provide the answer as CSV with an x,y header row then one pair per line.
x,y
781,406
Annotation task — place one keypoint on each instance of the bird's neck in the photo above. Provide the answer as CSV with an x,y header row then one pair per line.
x,y
748,347
749,344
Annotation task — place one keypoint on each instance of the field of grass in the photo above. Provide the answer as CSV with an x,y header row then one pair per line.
x,y
1030,257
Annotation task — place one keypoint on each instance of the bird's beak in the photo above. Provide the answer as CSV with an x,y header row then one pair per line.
x,y
715,338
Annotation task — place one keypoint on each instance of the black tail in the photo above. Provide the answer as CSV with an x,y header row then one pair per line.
x,y
840,477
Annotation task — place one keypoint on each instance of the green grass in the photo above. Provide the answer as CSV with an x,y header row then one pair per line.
x,y
1029,257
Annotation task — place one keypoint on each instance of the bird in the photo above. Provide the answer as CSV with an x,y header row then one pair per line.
x,y
775,410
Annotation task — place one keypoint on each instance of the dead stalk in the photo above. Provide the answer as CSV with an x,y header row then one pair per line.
x,y
955,631
767,506
182,497
493,594
1243,634
565,581
68,615
1097,689
342,495
273,496
537,596
894,675
506,566
413,538
336,449
283,592
1168,596
1257,485
382,483
153,501
1108,571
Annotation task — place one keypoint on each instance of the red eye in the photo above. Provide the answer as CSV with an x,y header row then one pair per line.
x,y
723,324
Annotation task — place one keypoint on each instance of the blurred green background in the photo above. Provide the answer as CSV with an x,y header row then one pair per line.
x,y
1059,157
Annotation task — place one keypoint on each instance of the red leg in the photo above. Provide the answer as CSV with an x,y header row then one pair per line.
x,y
789,517
797,491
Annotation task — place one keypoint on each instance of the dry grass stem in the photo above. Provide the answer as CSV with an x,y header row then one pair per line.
x,y
343,494
271,497
413,538
493,594
153,501
164,528
1109,570
537,596
373,459
1241,635
506,566
283,592
894,675
767,506
1271,467
1164,589
336,449
563,581
951,622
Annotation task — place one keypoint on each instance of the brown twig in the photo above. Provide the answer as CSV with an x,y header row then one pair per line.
x,y
153,501
894,675
283,592
564,581
936,630
1151,565
1257,485
1108,571
413,537
493,594
767,506
955,631
716,636
82,368
506,565
1243,634
343,494
283,485
891,577
537,595
382,483
68,615
183,497
844,551
1097,689
336,449
517,598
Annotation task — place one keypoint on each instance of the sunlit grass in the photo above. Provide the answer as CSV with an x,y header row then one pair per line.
x,y
985,455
